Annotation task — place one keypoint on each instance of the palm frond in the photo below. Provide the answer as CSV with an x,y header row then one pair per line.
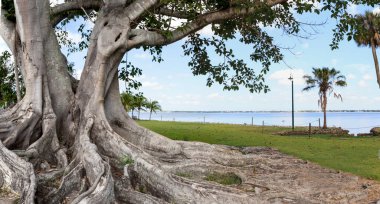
x,y
338,96
341,83
308,88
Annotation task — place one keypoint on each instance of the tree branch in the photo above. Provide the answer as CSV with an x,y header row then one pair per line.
x,y
139,37
61,11
171,13
139,7
7,30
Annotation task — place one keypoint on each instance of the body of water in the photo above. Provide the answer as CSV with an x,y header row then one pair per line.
x,y
355,122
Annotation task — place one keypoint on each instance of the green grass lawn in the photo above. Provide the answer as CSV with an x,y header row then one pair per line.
x,y
355,155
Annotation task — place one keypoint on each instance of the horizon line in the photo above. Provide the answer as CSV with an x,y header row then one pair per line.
x,y
353,110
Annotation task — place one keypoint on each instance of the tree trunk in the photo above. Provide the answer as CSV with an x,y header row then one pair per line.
x,y
64,143
324,109
150,115
373,46
17,80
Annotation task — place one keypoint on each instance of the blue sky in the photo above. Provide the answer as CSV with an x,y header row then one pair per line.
x,y
173,85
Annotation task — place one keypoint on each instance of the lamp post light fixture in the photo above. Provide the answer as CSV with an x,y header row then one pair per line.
x,y
291,79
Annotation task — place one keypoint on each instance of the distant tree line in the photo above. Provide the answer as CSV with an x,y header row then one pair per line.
x,y
138,102
8,91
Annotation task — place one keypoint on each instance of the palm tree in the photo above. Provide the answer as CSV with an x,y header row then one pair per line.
x,y
127,99
368,34
325,79
153,106
140,102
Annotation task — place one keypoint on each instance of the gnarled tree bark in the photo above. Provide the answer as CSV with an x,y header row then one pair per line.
x,y
67,142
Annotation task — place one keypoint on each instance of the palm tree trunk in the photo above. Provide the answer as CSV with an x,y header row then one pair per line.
x,y
324,105
139,114
376,61
150,115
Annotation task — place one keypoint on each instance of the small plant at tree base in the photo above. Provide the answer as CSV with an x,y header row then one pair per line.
x,y
184,175
224,178
142,189
125,160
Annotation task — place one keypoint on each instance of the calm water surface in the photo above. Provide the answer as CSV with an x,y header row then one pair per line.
x,y
355,122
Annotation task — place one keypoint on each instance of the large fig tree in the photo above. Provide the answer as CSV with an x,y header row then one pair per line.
x,y
70,141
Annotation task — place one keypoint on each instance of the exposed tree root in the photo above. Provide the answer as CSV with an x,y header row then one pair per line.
x,y
17,174
20,135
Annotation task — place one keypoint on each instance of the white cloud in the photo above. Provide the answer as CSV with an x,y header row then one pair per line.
x,y
143,55
363,68
282,76
76,37
207,31
55,2
309,97
214,96
305,45
183,99
152,85
316,4
376,10
78,73
3,45
176,22
334,62
363,83
367,77
351,76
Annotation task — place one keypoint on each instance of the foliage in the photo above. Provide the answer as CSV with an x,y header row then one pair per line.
x,y
128,73
7,81
138,102
9,7
229,71
152,107
368,29
351,154
127,99
126,160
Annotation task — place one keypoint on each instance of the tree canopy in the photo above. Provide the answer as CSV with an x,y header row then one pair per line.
x,y
171,20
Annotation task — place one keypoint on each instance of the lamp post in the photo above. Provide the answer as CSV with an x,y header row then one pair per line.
x,y
291,79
